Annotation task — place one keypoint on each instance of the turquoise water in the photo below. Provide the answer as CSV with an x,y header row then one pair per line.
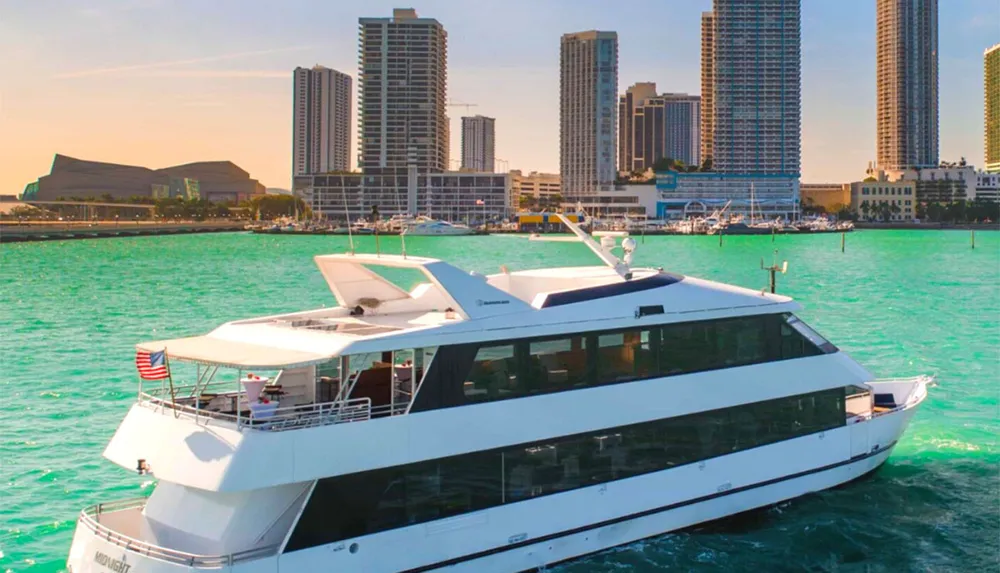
x,y
900,302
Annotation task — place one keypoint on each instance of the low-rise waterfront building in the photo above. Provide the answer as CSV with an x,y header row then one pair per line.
x,y
451,196
539,187
938,184
884,200
216,181
988,187
681,195
632,201
831,197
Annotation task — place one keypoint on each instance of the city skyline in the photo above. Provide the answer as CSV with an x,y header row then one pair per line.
x,y
106,100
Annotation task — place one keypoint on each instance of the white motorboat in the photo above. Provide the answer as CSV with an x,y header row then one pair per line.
x,y
481,423
425,226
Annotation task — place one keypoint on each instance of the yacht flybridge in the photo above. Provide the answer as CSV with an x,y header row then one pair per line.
x,y
481,423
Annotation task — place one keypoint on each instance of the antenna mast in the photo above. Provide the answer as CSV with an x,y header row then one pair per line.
x,y
605,255
347,215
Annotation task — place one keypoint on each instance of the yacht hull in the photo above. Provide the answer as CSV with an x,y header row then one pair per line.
x,y
555,528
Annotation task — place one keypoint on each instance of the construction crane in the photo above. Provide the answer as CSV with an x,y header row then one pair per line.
x,y
465,105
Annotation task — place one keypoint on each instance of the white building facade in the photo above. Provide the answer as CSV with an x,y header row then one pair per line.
x,y
321,121
450,196
682,195
988,187
588,112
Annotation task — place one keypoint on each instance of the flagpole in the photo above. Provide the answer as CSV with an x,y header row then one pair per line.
x,y
170,376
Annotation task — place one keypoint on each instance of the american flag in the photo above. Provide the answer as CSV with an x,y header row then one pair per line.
x,y
152,365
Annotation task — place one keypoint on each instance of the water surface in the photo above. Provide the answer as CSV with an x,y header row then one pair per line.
x,y
900,302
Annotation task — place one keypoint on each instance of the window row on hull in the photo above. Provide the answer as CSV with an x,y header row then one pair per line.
x,y
363,503
465,374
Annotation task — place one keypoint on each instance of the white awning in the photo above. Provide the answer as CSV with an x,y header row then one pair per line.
x,y
220,352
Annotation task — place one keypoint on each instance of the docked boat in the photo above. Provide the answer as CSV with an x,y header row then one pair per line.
x,y
425,226
481,423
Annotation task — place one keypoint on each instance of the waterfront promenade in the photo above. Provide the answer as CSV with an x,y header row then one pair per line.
x,y
61,230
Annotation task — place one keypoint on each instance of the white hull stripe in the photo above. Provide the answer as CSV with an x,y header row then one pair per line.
x,y
646,513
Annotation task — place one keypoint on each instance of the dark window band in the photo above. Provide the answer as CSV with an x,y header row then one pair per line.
x,y
465,374
354,505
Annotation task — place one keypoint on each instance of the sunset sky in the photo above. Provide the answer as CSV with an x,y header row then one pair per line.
x,y
162,82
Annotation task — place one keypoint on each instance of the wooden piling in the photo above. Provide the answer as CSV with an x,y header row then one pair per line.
x,y
843,240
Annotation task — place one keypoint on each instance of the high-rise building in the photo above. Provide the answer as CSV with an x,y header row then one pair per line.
x,y
587,116
628,103
991,83
321,116
402,72
478,143
707,80
653,126
756,87
682,128
906,59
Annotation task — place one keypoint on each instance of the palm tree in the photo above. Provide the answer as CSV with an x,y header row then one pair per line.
x,y
865,208
895,209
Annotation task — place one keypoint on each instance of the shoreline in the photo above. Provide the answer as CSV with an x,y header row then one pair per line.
x,y
61,231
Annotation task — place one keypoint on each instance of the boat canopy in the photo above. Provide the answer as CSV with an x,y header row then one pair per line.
x,y
233,354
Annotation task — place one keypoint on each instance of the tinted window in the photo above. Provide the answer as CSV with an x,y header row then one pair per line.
x,y
358,504
512,369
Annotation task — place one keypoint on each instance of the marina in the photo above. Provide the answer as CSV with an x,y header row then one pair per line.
x,y
714,224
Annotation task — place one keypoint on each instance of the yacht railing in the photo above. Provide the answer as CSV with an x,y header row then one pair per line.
x,y
91,519
286,418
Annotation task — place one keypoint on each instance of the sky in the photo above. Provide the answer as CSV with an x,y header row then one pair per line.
x,y
164,82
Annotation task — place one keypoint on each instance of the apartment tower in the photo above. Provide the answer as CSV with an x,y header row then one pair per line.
x,y
991,83
629,104
653,126
588,88
756,86
321,121
707,79
478,143
682,128
906,39
402,72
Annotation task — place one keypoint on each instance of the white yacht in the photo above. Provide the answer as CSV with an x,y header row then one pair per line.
x,y
425,226
481,423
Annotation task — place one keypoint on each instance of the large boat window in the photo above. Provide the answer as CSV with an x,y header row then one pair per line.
x,y
809,334
473,373
349,506
493,374
554,365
